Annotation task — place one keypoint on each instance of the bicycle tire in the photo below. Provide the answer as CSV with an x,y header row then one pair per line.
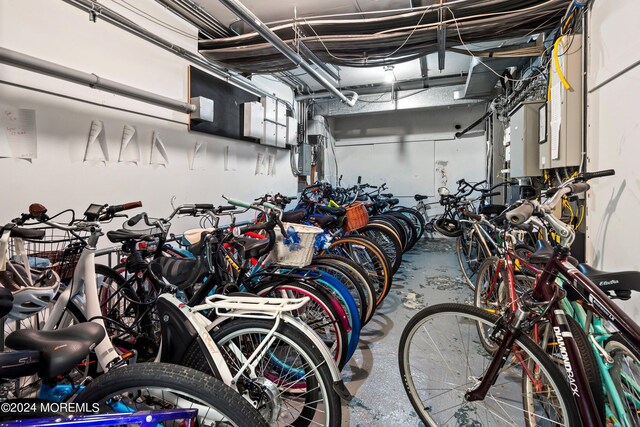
x,y
191,385
410,229
236,329
458,409
393,223
415,216
624,353
360,275
469,266
387,239
379,272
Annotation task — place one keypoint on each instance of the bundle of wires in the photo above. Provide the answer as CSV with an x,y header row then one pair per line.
x,y
389,39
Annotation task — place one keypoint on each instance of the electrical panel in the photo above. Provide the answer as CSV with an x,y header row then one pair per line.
x,y
270,105
562,144
253,126
305,156
316,130
281,136
270,131
292,131
524,145
281,113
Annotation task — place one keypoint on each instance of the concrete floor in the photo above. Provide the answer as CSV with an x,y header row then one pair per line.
x,y
429,275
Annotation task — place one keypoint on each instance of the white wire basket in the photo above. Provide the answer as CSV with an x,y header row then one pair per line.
x,y
302,255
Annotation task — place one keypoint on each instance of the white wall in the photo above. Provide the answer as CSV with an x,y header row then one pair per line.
x,y
58,178
613,139
412,151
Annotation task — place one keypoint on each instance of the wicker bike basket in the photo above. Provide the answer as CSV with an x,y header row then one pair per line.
x,y
357,216
301,255
58,250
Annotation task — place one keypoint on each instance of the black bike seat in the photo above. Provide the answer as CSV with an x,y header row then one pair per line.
x,y
617,284
419,197
180,272
387,194
331,211
492,209
393,202
6,300
324,221
60,350
295,216
544,252
253,248
119,236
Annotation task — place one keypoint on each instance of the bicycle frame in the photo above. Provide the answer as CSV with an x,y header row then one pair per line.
x,y
545,291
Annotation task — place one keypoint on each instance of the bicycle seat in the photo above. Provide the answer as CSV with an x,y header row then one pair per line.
x,y
419,197
6,301
492,209
295,216
331,211
387,194
60,350
617,284
119,236
544,252
180,272
393,202
324,221
253,248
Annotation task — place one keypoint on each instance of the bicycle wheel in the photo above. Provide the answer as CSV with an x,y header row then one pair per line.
x,y
441,357
148,386
394,223
387,239
470,253
327,319
416,218
410,229
370,257
359,275
289,382
625,373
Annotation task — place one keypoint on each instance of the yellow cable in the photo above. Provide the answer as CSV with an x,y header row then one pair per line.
x,y
581,218
556,60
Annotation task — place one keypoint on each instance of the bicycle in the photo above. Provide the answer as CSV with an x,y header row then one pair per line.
x,y
547,393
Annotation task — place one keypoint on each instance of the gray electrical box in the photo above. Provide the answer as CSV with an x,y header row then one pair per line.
x,y
562,144
524,126
305,159
204,109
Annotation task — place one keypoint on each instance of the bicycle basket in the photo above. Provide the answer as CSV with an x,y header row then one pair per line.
x,y
357,217
297,250
58,250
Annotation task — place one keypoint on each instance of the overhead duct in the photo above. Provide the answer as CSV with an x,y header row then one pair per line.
x,y
385,40
484,74
37,65
252,20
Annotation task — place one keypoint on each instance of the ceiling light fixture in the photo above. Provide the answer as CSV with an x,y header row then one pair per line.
x,y
389,76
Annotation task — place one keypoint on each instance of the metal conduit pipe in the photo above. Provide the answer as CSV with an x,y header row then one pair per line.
x,y
192,13
108,15
254,22
38,65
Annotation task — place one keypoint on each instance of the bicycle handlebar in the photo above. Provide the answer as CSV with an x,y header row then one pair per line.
x,y
113,209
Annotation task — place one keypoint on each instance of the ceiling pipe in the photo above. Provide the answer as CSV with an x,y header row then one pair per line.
x,y
193,13
94,81
99,11
252,20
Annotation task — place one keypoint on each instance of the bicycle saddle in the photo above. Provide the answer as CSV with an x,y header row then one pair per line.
x,y
60,350
331,211
544,252
617,284
253,248
119,236
492,209
419,197
6,302
179,272
393,202
324,221
295,216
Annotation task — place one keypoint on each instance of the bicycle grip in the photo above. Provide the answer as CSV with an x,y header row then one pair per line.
x,y
599,174
226,208
269,205
579,187
134,220
124,207
471,215
239,203
204,206
520,214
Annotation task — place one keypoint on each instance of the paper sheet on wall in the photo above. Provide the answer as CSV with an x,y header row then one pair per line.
x,y
198,156
271,169
18,134
129,147
97,149
230,158
158,152
556,119
261,165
